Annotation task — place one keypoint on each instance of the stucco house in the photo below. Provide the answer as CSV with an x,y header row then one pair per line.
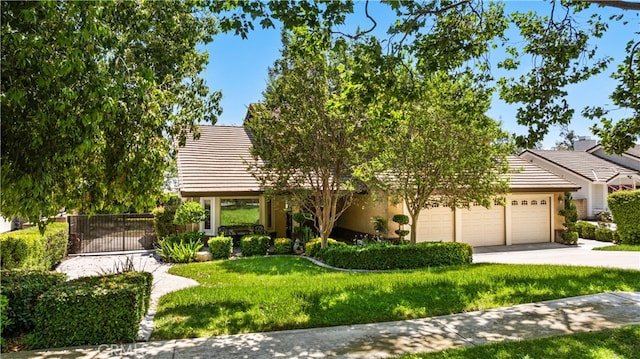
x,y
596,176
212,171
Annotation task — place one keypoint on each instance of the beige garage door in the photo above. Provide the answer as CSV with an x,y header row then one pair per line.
x,y
435,224
482,226
530,219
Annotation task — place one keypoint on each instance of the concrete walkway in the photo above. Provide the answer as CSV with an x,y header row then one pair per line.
x,y
555,253
381,340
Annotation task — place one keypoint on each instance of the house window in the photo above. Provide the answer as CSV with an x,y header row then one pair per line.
x,y
514,203
543,202
524,203
207,211
534,203
238,211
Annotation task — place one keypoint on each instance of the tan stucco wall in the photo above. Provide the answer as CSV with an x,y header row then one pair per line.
x,y
280,217
358,217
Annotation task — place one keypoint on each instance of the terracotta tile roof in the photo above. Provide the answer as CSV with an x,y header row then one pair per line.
x,y
528,176
214,162
583,164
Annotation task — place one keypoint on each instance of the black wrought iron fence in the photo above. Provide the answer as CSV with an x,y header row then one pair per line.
x,y
111,233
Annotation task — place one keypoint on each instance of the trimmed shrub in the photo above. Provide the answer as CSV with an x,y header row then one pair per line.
x,y
388,256
189,212
92,310
22,289
180,248
283,246
570,237
625,208
220,247
27,249
163,221
4,318
604,234
254,245
313,247
586,230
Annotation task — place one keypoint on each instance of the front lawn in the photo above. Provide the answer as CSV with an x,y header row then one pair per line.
x,y
278,293
607,344
620,247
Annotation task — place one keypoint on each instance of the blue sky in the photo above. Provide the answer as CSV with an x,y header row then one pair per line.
x,y
239,68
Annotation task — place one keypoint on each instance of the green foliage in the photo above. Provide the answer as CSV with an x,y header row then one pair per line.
x,y
27,249
620,248
100,90
180,248
586,230
570,237
380,225
283,246
313,247
570,213
92,310
401,219
604,235
22,288
304,234
189,212
388,256
254,245
5,321
625,208
220,247
301,217
163,221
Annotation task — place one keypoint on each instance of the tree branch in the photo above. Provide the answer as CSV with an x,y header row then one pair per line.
x,y
624,5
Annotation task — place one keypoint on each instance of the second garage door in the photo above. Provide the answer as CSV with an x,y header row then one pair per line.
x,y
530,219
435,224
482,226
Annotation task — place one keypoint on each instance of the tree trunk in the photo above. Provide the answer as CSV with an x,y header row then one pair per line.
x,y
414,225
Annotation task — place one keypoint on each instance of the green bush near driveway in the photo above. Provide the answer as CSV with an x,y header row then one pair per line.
x,y
625,208
586,230
22,289
570,237
254,245
605,235
28,249
389,256
220,247
91,310
283,246
312,247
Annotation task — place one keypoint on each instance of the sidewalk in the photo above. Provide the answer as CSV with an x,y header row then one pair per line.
x,y
381,340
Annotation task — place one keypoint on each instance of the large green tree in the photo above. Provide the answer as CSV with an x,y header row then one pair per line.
x,y
93,94
441,148
309,128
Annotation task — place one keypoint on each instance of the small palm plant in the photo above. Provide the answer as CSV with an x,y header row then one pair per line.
x,y
380,226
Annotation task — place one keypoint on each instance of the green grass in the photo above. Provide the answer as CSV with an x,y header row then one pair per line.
x,y
278,293
230,217
607,344
620,247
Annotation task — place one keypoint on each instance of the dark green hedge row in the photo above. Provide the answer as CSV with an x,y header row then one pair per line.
x,y
254,245
27,249
606,235
92,310
388,256
220,247
283,246
625,208
312,247
22,289
586,230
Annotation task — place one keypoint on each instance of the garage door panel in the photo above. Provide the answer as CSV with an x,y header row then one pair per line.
x,y
482,226
530,219
436,224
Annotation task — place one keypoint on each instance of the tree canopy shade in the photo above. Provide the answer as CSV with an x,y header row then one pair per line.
x,y
93,94
308,131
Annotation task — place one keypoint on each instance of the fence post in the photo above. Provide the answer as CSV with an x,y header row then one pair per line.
x,y
124,229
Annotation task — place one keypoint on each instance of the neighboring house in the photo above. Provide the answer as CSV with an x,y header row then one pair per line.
x,y
596,176
212,170
630,158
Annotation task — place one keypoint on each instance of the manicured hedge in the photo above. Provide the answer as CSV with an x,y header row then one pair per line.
x,y
254,245
283,246
586,230
91,310
27,249
570,237
163,221
220,247
312,247
22,288
605,235
625,208
388,256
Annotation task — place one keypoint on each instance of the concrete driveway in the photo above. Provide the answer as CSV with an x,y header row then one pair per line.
x,y
554,253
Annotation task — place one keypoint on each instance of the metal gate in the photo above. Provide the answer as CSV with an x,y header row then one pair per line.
x,y
111,233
